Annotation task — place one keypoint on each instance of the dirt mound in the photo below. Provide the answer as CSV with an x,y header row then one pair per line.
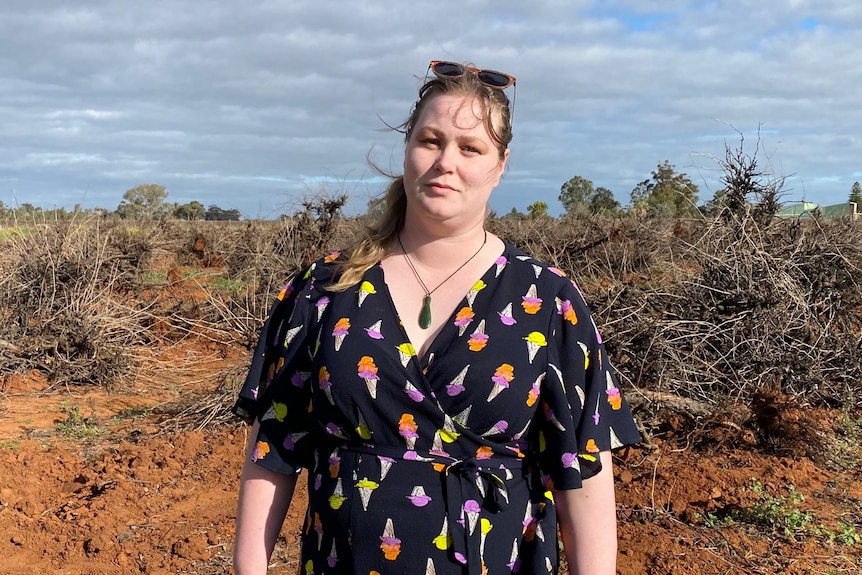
x,y
110,483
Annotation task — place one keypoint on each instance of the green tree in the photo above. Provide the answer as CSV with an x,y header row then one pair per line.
x,y
580,196
537,209
194,210
856,195
215,213
667,193
144,201
575,195
603,202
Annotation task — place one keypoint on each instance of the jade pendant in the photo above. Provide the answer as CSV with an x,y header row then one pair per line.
x,y
425,314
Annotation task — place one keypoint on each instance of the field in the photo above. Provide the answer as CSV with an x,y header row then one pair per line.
x,y
739,343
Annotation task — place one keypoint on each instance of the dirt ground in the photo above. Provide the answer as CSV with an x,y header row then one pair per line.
x,y
95,482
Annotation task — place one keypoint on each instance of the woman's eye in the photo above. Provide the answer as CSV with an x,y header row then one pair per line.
x,y
470,149
431,141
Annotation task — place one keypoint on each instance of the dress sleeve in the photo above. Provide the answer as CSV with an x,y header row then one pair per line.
x,y
583,411
276,390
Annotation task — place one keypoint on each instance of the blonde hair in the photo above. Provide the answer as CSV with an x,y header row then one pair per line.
x,y
392,205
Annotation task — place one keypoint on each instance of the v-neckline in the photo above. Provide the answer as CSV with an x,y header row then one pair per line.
x,y
449,323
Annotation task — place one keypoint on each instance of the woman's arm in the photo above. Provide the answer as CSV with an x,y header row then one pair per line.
x,y
264,497
588,523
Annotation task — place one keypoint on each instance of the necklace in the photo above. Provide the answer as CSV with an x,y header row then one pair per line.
x,y
425,314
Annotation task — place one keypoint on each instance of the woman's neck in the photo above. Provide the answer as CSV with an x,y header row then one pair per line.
x,y
438,246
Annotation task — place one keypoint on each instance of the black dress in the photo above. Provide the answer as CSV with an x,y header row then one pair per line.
x,y
441,465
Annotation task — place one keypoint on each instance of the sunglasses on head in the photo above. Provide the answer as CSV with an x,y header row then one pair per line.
x,y
490,78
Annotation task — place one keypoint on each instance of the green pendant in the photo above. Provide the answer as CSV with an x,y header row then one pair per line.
x,y
425,314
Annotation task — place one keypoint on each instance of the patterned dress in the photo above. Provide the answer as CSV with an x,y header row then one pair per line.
x,y
444,464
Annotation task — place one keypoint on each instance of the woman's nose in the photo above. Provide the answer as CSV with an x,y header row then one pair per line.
x,y
445,159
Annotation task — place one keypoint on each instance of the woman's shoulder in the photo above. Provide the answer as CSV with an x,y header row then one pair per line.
x,y
538,272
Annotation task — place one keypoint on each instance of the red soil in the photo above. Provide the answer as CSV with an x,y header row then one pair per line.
x,y
142,498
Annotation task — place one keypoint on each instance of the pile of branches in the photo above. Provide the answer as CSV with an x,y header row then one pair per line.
x,y
59,313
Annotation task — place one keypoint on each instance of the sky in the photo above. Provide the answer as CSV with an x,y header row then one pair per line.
x,y
258,105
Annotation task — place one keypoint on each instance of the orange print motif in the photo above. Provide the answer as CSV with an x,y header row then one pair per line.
x,y
531,302
261,448
568,312
504,373
367,367
477,341
484,452
464,316
592,447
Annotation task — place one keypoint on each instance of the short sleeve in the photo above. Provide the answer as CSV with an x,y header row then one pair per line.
x,y
276,390
583,411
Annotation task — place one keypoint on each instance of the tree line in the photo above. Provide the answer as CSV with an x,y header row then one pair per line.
x,y
143,202
667,193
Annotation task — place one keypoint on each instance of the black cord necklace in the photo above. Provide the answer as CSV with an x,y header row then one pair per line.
x,y
425,314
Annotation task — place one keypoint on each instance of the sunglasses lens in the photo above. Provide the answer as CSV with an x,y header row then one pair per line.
x,y
448,69
492,78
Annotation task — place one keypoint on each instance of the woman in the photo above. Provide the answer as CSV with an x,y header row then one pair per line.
x,y
442,432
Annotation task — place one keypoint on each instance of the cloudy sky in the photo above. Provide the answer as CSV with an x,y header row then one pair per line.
x,y
253,105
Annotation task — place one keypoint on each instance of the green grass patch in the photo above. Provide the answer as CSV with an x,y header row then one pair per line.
x,y
77,426
229,285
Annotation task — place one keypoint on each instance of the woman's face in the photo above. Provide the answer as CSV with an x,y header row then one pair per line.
x,y
451,164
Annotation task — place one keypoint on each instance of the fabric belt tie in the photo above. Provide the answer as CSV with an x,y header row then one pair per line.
x,y
472,485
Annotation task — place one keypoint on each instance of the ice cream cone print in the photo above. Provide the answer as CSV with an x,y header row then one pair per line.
x,y
340,331
366,487
456,386
261,448
506,315
570,461
418,497
318,526
501,378
463,318
333,556
325,385
337,497
413,392
285,291
537,270
496,429
367,370
321,306
385,465
443,541
405,352
437,445
500,265
366,288
615,399
334,463
478,339
448,434
615,441
374,331
551,417
565,309
389,544
462,418
291,333
514,563
471,509
535,389
429,568
362,429
531,302
407,429
485,527
535,340
477,287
